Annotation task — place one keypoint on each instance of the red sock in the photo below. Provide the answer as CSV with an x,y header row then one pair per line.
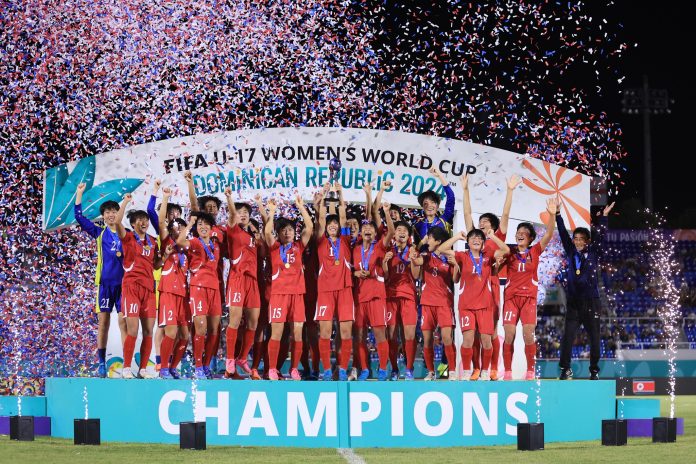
x,y
231,339
486,361
179,351
296,354
273,348
410,353
166,349
530,353
325,353
128,349
393,353
346,351
212,342
429,358
495,358
467,354
477,352
198,345
507,356
383,353
247,344
363,357
451,356
145,350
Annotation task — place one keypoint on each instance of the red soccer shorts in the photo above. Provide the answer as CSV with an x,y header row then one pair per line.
x,y
243,292
336,302
478,319
372,313
401,309
286,308
520,307
172,310
434,316
205,301
138,301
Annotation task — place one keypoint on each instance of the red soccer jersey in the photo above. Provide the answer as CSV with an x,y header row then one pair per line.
x,y
522,272
475,288
288,275
400,283
204,270
242,251
139,260
334,272
174,269
220,233
437,281
370,287
489,247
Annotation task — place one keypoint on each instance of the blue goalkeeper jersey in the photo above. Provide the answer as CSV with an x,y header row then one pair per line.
x,y
109,250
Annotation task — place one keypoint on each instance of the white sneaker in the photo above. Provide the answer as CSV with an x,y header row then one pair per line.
x,y
145,374
466,375
430,376
485,375
453,375
127,373
353,374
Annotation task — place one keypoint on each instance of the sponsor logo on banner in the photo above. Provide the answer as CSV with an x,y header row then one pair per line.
x,y
642,387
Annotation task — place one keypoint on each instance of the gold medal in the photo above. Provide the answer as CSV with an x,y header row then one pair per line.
x,y
577,272
336,263
287,265
118,254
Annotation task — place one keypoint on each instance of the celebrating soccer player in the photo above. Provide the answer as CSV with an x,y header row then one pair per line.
x,y
288,287
109,271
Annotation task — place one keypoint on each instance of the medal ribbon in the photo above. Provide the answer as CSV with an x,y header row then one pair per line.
x,y
477,264
284,252
364,261
137,239
208,251
335,247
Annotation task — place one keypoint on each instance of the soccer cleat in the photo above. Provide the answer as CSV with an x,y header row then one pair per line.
x,y
295,374
452,376
429,377
476,374
165,374
382,375
101,370
530,376
353,374
364,374
566,374
208,372
255,375
145,374
494,374
273,374
127,373
394,376
314,375
199,374
466,375
485,376
243,365
507,375
342,374
594,375
230,367
327,376
408,375
442,369
174,373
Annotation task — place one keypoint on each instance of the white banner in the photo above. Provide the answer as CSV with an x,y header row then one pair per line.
x,y
281,161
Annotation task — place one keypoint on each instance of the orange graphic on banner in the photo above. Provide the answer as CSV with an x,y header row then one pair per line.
x,y
554,186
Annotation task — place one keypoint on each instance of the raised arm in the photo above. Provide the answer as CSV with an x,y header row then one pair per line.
x,y
121,212
563,232
390,225
88,226
416,262
320,209
512,184
600,228
151,206
550,223
449,244
448,215
367,188
378,203
182,240
191,190
162,219
268,228
468,221
231,209
499,243
308,224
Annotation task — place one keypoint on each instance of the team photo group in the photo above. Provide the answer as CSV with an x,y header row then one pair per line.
x,y
280,278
